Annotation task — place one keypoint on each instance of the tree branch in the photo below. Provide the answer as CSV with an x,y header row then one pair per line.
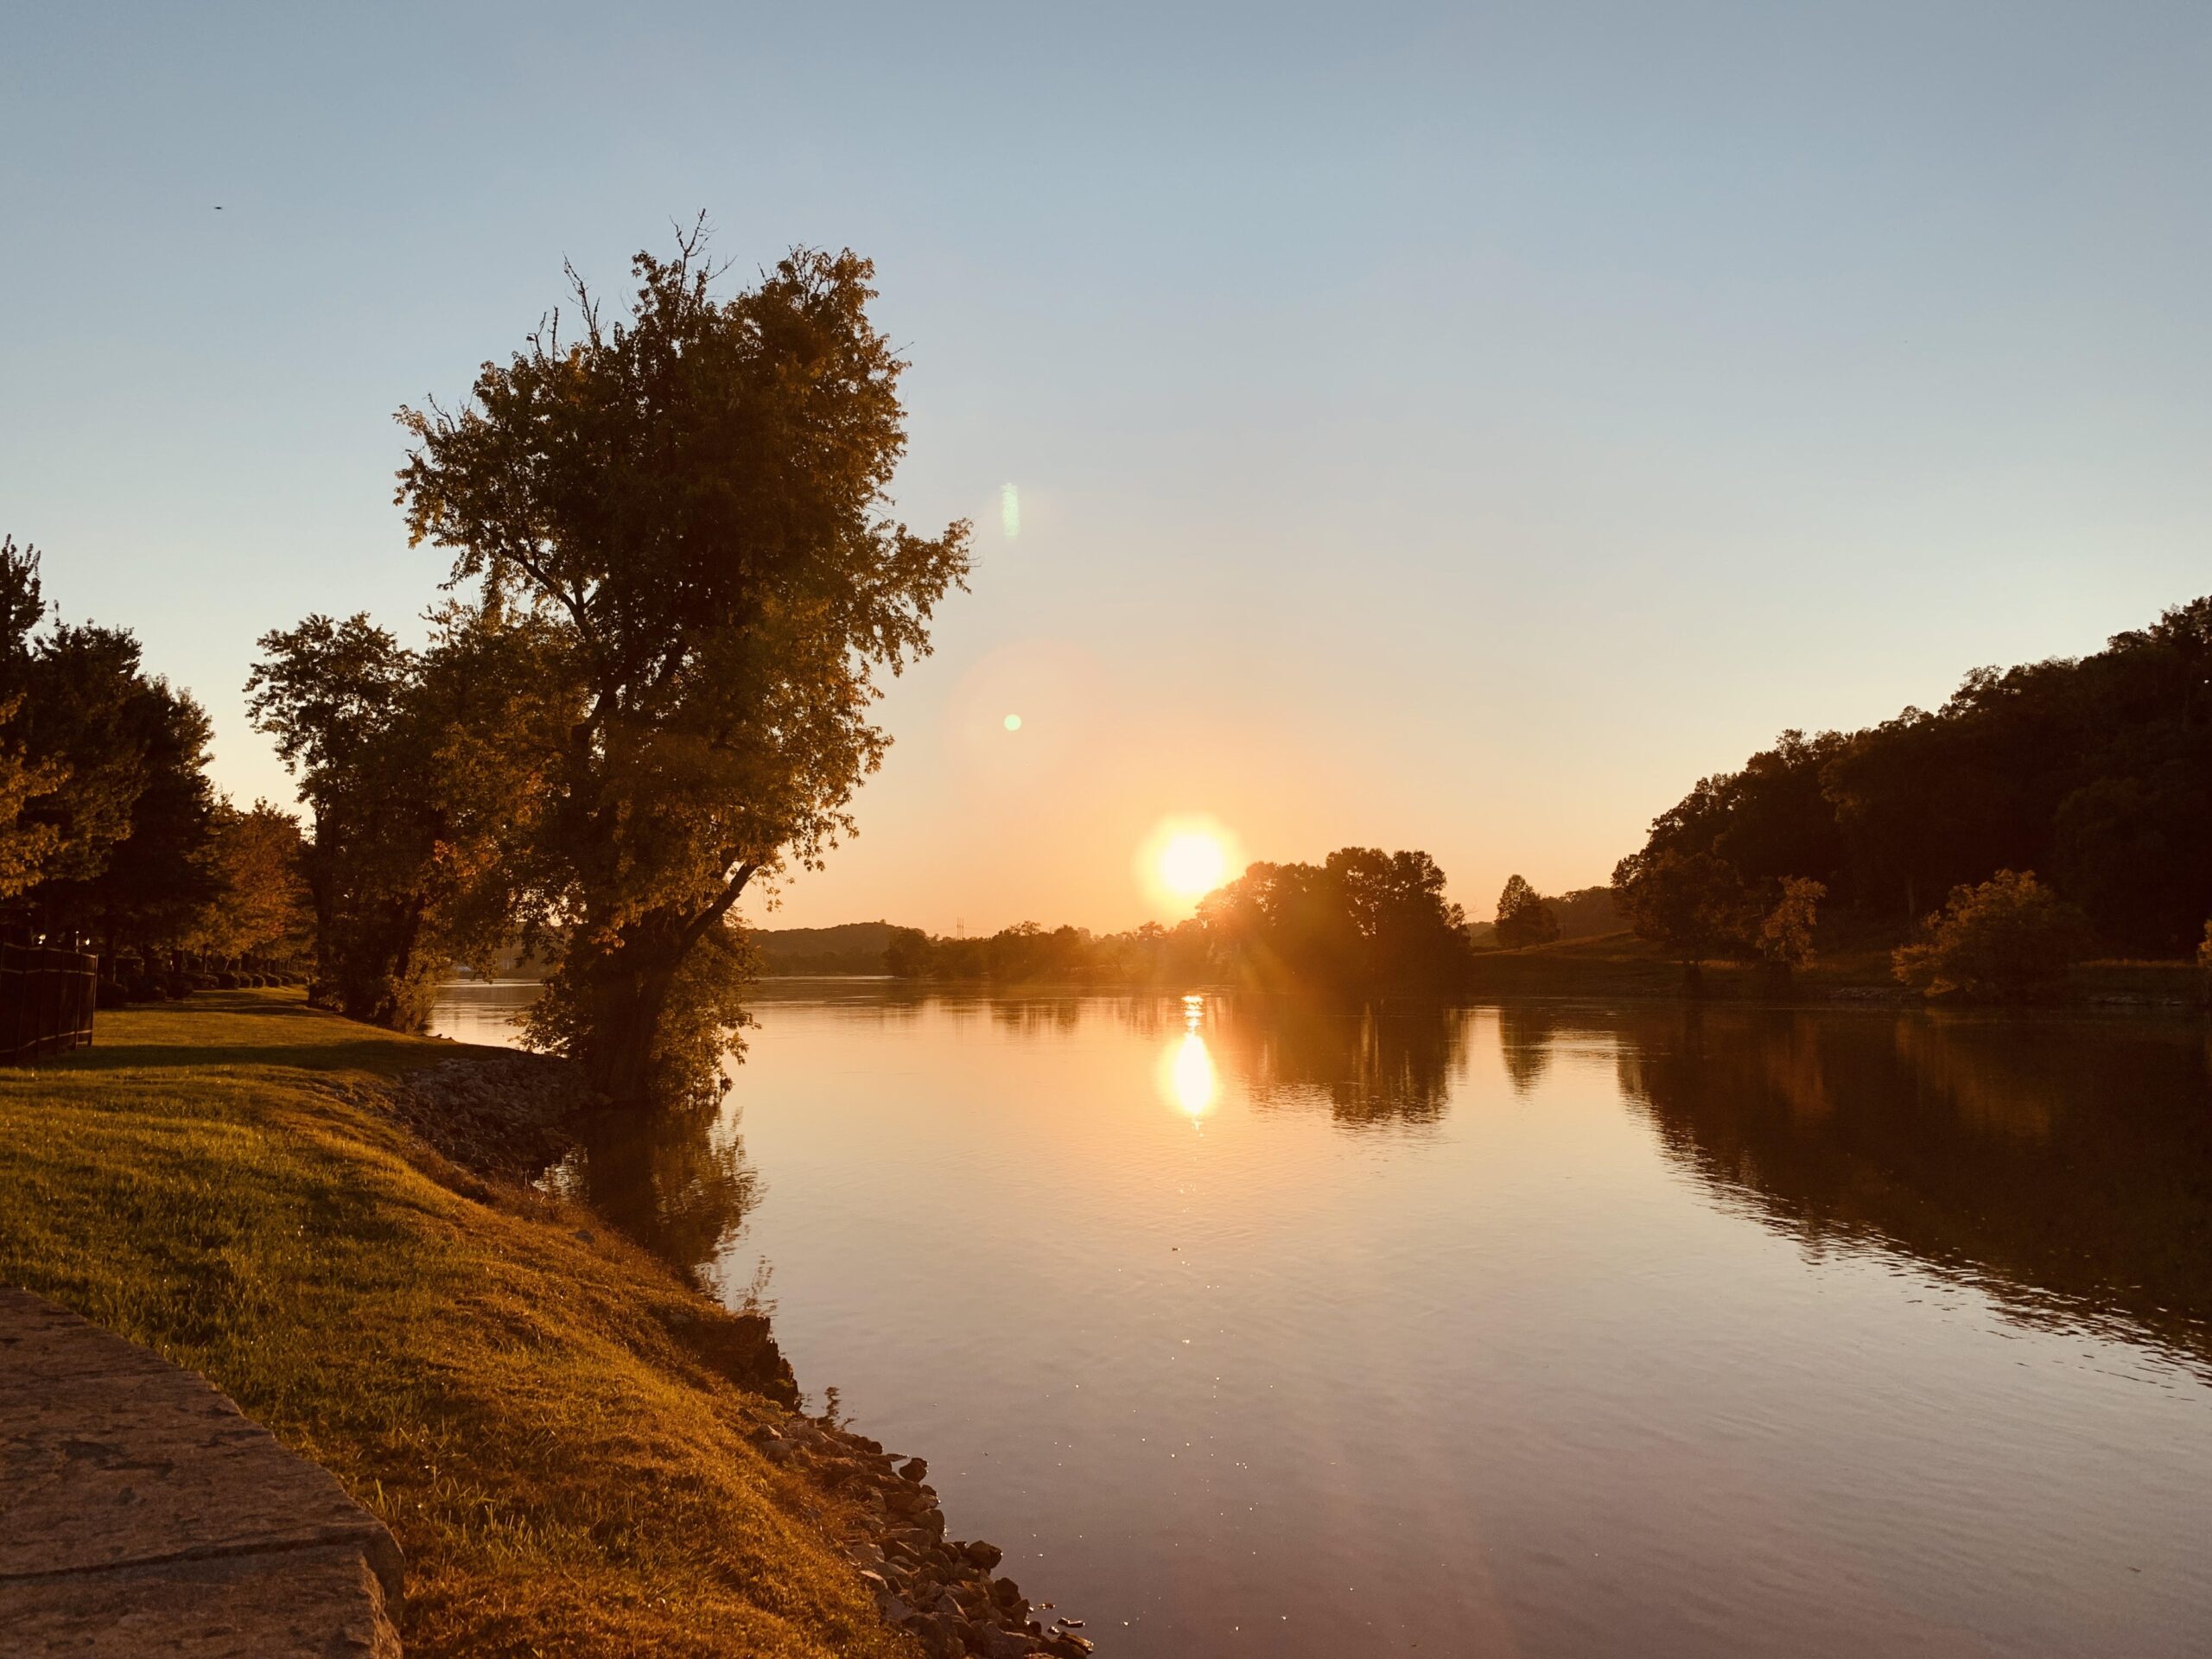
x,y
720,908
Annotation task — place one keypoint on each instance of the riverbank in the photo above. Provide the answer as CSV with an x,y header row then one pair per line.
x,y
576,1452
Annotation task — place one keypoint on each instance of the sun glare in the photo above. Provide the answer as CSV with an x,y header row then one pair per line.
x,y
1188,1076
1194,864
1184,859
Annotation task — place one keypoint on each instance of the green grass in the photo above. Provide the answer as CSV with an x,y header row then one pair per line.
x,y
520,1395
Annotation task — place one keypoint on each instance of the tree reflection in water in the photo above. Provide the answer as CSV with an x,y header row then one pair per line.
x,y
1372,1064
2065,1167
676,1182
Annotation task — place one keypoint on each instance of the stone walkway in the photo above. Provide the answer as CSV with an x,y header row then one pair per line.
x,y
142,1513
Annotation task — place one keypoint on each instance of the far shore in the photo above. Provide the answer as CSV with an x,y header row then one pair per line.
x,y
1616,966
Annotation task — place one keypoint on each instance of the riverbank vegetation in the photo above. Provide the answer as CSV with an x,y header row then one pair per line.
x,y
2073,796
550,1421
1361,920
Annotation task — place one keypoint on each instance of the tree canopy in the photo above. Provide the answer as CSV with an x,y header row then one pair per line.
x,y
2097,772
1523,918
679,587
110,832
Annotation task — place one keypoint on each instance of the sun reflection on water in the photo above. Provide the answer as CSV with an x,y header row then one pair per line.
x,y
1188,1076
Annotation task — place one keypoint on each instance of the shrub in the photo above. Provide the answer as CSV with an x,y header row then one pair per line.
x,y
2008,940
1784,937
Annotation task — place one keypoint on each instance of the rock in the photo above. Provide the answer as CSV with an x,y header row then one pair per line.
x,y
987,1556
913,1469
935,1641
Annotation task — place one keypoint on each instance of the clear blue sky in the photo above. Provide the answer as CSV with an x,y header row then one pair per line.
x,y
1453,427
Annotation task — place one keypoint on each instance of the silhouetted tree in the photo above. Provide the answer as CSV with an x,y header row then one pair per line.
x,y
1523,918
1691,904
2099,770
1364,918
684,508
103,766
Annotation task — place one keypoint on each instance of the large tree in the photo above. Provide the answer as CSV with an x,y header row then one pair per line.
x,y
671,529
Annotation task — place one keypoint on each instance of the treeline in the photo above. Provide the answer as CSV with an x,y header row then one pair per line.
x,y
851,948
113,838
1363,920
2095,774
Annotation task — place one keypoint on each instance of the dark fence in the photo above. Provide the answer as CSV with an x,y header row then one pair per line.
x,y
46,998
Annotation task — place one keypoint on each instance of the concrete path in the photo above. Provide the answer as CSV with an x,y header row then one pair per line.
x,y
142,1513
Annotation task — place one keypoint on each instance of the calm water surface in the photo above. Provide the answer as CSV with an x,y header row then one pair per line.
x,y
1250,1328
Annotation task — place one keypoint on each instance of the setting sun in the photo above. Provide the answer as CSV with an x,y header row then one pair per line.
x,y
1184,859
1194,864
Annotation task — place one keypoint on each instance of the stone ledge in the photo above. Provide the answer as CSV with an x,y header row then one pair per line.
x,y
141,1511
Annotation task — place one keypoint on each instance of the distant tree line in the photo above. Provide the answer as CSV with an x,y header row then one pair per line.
x,y
111,837
1363,919
2095,774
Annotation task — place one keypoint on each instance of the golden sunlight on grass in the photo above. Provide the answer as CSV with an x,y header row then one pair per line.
x,y
520,1395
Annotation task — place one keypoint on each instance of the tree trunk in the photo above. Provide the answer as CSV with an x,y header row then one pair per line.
x,y
622,997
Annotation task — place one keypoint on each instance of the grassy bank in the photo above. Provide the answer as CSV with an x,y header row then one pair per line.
x,y
1621,965
529,1402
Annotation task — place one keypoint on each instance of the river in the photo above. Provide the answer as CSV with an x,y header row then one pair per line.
x,y
1251,1327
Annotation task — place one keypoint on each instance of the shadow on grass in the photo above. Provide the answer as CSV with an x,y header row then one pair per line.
x,y
366,1056
248,1027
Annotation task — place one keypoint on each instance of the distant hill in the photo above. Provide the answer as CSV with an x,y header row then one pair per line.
x,y
853,948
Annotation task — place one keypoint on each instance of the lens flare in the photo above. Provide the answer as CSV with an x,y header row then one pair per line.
x,y
1010,511
1013,722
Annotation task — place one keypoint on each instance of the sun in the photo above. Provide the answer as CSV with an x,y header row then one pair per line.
x,y
1192,864
1184,859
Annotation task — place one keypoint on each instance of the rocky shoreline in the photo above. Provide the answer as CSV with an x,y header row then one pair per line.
x,y
940,1591
507,1118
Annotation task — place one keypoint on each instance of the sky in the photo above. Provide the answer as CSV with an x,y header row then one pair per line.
x,y
1451,426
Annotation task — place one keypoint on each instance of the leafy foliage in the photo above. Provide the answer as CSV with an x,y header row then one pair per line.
x,y
1691,904
2099,770
1523,918
351,714
2009,940
1363,919
264,910
106,814
1785,933
683,586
